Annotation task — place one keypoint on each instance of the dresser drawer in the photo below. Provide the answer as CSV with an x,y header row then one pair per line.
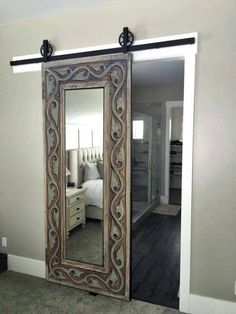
x,y
77,208
77,219
74,199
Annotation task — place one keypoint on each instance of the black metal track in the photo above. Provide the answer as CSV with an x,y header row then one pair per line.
x,y
163,44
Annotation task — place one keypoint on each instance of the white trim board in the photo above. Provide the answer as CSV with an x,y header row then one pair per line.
x,y
27,266
205,305
187,169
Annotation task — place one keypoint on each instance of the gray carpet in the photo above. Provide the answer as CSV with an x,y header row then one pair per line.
x,y
85,244
23,294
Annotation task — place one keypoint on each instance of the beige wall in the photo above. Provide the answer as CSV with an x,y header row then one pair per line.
x,y
214,177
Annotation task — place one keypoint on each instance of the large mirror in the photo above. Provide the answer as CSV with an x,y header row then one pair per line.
x,y
84,175
87,164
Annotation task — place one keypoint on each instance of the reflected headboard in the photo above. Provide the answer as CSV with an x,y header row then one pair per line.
x,y
76,159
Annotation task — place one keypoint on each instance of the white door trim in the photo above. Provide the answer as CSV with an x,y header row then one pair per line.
x,y
187,174
169,105
188,53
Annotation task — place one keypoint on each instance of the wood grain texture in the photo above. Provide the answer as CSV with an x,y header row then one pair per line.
x,y
113,74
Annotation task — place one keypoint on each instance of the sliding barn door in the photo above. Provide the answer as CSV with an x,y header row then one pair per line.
x,y
108,77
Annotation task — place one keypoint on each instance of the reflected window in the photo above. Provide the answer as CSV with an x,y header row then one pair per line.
x,y
84,118
138,126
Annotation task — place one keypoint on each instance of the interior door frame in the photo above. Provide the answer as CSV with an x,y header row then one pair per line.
x,y
188,53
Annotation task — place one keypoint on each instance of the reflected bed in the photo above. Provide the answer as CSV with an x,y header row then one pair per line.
x,y
76,162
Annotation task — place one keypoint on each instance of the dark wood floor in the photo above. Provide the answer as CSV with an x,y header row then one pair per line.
x,y
156,260
175,196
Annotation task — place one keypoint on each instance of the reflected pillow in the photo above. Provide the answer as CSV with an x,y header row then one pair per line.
x,y
100,167
91,172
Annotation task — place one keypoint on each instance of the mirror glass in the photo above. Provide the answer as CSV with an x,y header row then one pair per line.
x,y
84,175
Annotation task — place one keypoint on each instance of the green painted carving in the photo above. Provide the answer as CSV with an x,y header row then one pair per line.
x,y
50,139
114,182
82,75
120,157
75,273
63,72
116,129
51,241
59,273
112,279
51,194
98,67
54,112
50,85
93,282
120,256
120,210
121,104
55,166
115,232
115,77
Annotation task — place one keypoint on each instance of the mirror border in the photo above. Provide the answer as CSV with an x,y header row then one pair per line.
x,y
63,89
114,73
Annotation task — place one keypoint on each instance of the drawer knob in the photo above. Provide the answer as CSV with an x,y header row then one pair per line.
x,y
78,208
78,218
78,198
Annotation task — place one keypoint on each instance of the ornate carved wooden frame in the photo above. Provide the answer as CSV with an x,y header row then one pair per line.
x,y
113,74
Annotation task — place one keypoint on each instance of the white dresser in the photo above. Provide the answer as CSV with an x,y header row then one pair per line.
x,y
75,209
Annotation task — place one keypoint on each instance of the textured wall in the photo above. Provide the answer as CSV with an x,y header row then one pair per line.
x,y
214,177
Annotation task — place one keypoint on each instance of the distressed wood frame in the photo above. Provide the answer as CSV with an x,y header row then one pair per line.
x,y
113,73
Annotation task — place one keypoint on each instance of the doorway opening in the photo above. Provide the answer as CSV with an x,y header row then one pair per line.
x,y
157,123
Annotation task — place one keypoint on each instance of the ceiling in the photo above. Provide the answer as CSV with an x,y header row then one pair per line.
x,y
157,72
18,10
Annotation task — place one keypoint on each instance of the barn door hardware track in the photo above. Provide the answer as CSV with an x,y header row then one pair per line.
x,y
125,40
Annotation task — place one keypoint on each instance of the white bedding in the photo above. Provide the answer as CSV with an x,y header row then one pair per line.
x,y
94,192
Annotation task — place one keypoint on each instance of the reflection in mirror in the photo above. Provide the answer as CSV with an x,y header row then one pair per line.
x,y
84,175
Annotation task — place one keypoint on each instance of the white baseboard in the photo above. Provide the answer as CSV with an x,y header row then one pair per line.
x,y
164,199
26,265
205,305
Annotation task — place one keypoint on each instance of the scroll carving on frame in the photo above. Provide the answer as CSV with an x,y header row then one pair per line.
x,y
113,74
